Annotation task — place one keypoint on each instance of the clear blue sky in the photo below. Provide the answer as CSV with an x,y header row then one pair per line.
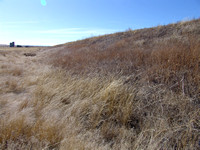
x,y
35,22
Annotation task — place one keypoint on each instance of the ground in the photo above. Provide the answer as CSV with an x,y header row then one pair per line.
x,y
129,90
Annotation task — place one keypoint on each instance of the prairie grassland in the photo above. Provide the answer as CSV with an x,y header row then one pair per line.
x,y
132,90
20,48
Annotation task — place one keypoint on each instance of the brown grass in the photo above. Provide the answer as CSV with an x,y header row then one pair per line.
x,y
130,90
171,62
20,48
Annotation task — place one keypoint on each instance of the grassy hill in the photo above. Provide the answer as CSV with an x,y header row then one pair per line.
x,y
130,90
164,55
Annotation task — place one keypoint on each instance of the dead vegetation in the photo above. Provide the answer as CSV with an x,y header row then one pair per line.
x,y
166,55
29,54
131,90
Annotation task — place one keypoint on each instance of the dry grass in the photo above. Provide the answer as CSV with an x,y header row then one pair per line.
x,y
132,90
172,63
114,114
20,48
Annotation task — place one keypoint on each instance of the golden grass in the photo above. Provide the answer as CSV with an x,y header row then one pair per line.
x,y
108,92
118,114
20,48
168,55
115,114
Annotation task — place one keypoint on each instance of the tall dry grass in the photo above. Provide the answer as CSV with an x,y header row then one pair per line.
x,y
101,113
131,90
172,62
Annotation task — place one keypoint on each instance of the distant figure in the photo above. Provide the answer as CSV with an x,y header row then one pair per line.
x,y
12,44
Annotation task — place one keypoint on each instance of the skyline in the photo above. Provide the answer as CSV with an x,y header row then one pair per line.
x,y
50,23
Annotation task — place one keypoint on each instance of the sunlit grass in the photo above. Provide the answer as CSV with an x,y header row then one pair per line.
x,y
131,90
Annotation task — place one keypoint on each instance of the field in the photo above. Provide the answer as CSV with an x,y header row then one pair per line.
x,y
130,90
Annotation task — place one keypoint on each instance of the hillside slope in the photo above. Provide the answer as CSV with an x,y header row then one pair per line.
x,y
130,90
160,55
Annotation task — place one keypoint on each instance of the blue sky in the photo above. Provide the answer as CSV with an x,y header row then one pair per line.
x,y
51,22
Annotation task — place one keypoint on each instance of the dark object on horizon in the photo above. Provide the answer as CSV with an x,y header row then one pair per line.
x,y
12,44
29,54
19,46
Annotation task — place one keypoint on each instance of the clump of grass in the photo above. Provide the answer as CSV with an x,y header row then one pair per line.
x,y
12,85
19,133
17,72
10,70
